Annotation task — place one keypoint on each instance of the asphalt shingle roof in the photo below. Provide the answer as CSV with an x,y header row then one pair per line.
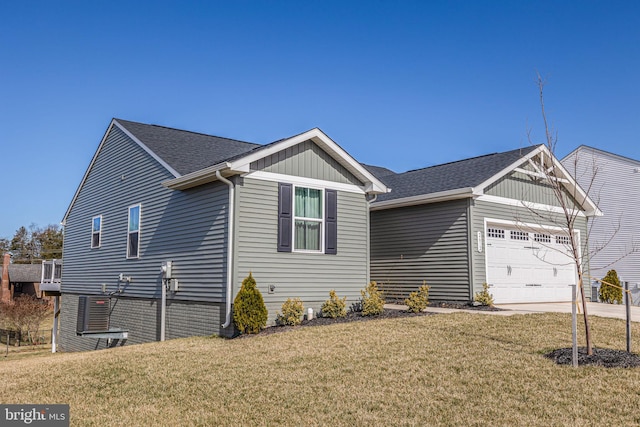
x,y
449,176
379,171
24,273
186,151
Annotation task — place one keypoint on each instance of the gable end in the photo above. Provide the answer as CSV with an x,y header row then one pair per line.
x,y
306,160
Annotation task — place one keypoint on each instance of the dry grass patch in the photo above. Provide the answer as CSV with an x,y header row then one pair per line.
x,y
459,369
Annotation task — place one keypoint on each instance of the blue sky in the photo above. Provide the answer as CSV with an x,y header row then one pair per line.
x,y
398,84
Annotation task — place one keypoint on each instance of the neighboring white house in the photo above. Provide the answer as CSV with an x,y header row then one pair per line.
x,y
613,182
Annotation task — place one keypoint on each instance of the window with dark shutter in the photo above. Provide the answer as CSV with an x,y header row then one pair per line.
x,y
284,217
331,222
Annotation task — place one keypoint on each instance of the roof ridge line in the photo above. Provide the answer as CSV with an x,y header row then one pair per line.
x,y
188,131
467,159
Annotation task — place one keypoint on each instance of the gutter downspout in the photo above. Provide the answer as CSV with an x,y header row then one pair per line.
x,y
230,246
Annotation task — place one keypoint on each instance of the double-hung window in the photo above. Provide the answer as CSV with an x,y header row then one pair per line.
x,y
96,231
308,219
133,233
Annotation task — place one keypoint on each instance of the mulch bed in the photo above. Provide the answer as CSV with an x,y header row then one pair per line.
x,y
463,306
358,317
606,357
350,317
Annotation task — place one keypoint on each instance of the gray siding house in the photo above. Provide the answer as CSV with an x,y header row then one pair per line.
x,y
490,219
294,213
613,181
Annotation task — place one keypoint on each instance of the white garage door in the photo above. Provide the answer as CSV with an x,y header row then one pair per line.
x,y
528,266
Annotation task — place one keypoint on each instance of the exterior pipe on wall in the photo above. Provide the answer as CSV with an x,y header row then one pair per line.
x,y
230,246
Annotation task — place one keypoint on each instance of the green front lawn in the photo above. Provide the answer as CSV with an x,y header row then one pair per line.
x,y
458,369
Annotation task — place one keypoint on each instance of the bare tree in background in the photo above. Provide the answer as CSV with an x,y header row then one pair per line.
x,y
569,201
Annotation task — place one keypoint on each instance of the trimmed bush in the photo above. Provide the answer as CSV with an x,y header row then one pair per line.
x,y
611,294
484,297
334,307
249,311
372,300
292,311
418,300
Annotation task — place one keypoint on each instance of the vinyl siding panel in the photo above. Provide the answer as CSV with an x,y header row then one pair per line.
x,y
425,242
615,186
480,210
307,160
188,227
308,276
519,186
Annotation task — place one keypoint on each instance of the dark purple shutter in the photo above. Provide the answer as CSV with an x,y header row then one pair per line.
x,y
331,222
284,217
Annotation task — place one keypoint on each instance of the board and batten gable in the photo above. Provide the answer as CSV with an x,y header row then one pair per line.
x,y
187,227
519,186
304,275
427,242
306,160
614,183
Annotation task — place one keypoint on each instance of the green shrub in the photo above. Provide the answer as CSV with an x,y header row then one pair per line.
x,y
611,294
249,311
292,311
334,306
372,300
418,300
484,297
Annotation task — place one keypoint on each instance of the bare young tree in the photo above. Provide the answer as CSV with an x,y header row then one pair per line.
x,y
569,199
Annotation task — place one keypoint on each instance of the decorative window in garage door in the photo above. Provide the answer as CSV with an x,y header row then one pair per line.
x,y
519,235
496,233
562,240
542,238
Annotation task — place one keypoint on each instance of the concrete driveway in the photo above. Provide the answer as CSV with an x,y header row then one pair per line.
x,y
593,309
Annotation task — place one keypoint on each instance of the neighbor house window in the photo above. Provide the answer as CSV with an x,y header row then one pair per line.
x,y
133,234
96,231
308,219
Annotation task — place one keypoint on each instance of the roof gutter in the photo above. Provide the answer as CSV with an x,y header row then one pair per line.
x,y
196,178
441,196
230,212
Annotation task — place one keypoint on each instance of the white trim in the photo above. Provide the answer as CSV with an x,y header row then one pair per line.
x,y
147,149
86,173
95,156
373,185
99,232
193,179
539,175
529,227
139,231
441,196
321,220
243,166
304,182
479,189
590,208
523,225
525,204
230,246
